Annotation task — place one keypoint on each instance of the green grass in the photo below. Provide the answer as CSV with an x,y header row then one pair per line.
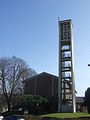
x,y
66,115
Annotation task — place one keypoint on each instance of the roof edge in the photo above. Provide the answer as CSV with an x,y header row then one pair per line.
x,y
43,73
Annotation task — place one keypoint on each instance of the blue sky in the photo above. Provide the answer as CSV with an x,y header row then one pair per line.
x,y
29,30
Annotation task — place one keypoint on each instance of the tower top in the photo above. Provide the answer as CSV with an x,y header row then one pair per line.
x,y
62,21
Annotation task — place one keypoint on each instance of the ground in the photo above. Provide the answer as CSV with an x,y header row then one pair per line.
x,y
67,115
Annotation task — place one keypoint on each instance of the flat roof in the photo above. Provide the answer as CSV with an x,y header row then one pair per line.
x,y
68,20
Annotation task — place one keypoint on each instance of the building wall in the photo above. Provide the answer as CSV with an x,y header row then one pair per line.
x,y
42,85
29,87
47,85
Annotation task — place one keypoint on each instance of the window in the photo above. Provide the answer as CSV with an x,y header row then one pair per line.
x,y
66,47
66,54
68,38
66,64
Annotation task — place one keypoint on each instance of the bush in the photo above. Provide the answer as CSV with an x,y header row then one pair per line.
x,y
32,103
12,112
87,99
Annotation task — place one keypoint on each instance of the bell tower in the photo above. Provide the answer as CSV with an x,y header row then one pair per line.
x,y
66,82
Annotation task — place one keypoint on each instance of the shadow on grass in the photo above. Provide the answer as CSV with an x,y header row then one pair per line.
x,y
53,118
82,118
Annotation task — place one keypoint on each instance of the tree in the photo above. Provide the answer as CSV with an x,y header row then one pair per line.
x,y
87,99
32,103
12,72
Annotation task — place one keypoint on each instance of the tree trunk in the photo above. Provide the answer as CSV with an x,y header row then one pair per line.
x,y
9,105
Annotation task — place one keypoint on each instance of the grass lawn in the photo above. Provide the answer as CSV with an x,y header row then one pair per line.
x,y
66,115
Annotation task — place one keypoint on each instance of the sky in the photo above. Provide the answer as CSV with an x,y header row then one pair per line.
x,y
29,30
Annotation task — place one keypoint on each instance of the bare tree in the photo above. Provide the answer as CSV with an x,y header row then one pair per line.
x,y
12,72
